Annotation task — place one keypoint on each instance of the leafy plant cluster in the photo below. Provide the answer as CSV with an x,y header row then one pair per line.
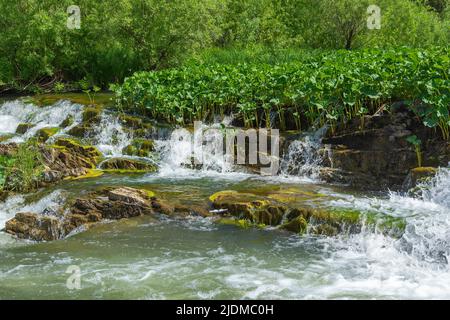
x,y
21,170
118,37
328,87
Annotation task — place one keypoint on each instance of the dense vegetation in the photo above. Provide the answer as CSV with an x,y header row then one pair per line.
x,y
119,37
320,88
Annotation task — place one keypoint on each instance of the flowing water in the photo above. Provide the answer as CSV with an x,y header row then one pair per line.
x,y
157,258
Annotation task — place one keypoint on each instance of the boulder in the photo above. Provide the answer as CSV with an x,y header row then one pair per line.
x,y
34,226
24,127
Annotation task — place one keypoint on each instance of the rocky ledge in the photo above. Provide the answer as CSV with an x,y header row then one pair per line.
x,y
84,212
297,211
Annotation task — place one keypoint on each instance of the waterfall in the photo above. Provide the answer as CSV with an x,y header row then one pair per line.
x,y
304,156
177,152
15,112
109,136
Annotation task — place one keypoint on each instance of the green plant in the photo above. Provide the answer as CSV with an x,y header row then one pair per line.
x,y
416,142
316,89
22,170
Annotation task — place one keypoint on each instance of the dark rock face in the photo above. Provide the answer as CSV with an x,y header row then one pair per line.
x,y
128,165
84,212
379,156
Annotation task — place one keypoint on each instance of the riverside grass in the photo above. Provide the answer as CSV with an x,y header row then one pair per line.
x,y
323,87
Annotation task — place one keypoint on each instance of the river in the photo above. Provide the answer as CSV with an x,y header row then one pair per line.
x,y
195,258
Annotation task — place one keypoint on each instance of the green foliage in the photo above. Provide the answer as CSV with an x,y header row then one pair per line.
x,y
416,142
329,87
118,37
21,171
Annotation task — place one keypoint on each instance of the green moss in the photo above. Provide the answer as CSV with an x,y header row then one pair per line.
x,y
80,131
80,98
123,171
91,115
296,225
91,173
45,133
24,127
240,223
124,164
134,122
140,147
67,122
6,137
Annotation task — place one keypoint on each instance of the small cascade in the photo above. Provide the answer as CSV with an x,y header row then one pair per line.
x,y
18,203
177,152
304,156
15,112
109,136
428,233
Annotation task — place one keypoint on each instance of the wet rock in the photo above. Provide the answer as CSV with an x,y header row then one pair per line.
x,y
84,212
81,130
128,165
45,133
295,210
140,148
34,226
67,122
24,127
8,149
91,115
134,122
68,159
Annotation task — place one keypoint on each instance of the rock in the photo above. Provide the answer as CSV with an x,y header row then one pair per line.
x,y
127,165
91,115
140,148
67,122
45,133
134,122
24,127
419,175
8,149
86,151
378,156
293,210
68,159
34,227
80,131
84,212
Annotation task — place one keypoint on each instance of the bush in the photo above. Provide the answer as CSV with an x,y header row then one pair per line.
x,y
329,87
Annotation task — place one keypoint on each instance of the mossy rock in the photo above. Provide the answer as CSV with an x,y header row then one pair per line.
x,y
80,131
22,128
134,122
297,213
46,133
5,137
128,165
91,115
87,151
296,225
140,148
67,122
91,173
